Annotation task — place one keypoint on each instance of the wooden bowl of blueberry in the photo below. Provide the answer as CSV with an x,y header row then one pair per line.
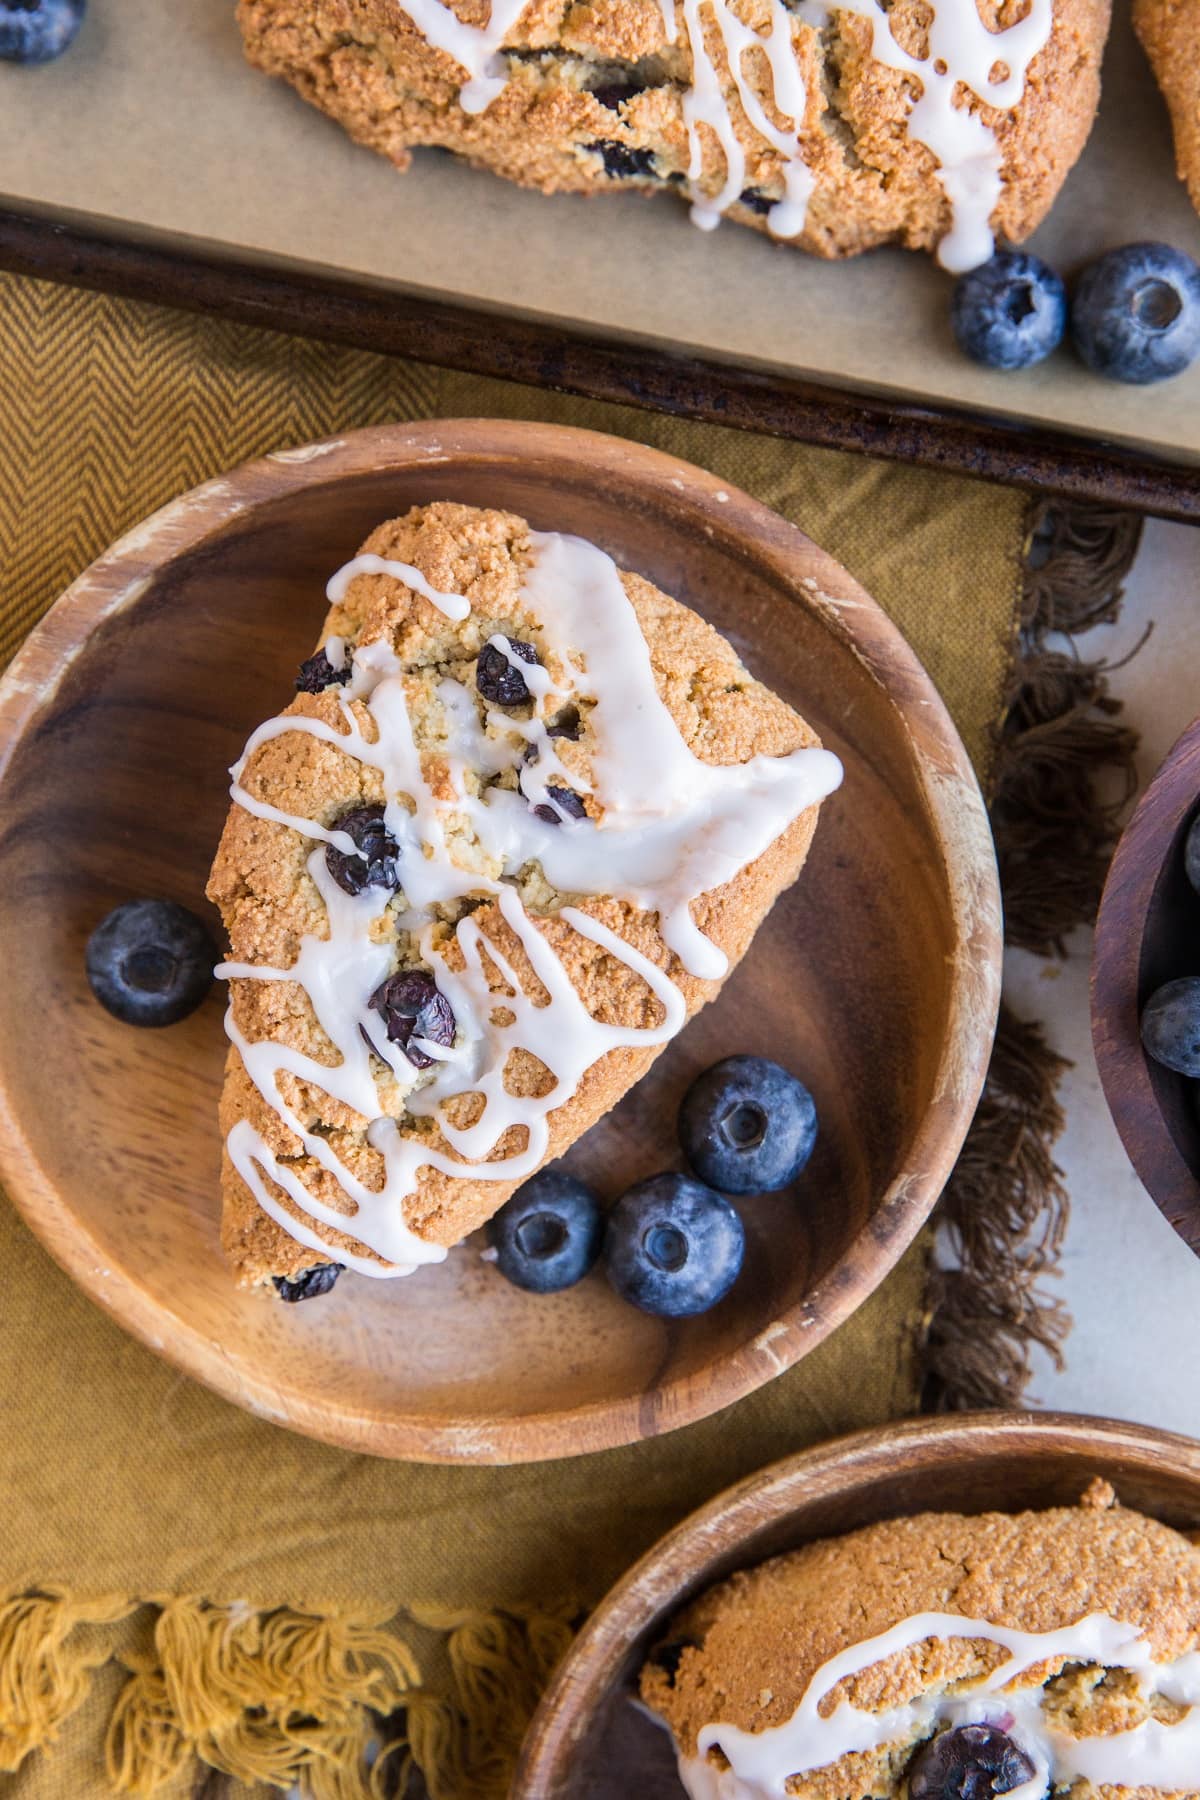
x,y
738,1203
1146,988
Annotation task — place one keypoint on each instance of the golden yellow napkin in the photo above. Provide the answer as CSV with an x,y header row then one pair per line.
x,y
176,1577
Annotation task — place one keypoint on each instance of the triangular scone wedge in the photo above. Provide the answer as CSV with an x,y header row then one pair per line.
x,y
472,755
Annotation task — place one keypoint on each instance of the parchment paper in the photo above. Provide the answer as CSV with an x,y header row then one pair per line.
x,y
154,123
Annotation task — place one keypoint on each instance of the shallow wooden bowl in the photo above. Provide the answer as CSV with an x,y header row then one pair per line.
x,y
876,977
588,1741
1148,932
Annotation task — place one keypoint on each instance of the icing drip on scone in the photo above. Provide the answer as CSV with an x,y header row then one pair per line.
x,y
1151,1755
707,103
962,57
962,52
671,828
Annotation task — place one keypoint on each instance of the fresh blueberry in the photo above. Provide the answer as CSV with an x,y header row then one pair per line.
x,y
623,161
673,1247
150,962
412,1005
548,1235
1136,313
970,1762
1171,1025
1191,853
318,673
310,1284
1009,313
36,31
377,865
747,1126
496,677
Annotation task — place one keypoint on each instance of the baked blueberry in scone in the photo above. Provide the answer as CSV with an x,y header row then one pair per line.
x,y
521,818
943,1657
930,123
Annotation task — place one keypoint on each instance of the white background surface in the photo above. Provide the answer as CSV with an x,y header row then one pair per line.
x,y
1131,1283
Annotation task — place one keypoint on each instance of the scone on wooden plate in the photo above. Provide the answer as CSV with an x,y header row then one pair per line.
x,y
523,817
930,123
1170,35
1035,1654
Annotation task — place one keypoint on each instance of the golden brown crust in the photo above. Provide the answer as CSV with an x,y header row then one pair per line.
x,y
753,1644
1170,35
269,902
364,62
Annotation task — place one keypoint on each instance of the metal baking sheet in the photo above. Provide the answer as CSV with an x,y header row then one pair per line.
x,y
154,128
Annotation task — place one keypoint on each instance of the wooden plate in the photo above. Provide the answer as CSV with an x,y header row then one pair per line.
x,y
876,977
588,1742
1148,932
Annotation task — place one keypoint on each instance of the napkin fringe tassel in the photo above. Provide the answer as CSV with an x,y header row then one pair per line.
x,y
328,1703
1062,776
1063,769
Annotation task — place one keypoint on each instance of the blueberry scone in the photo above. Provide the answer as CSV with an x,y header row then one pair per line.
x,y
944,1657
834,126
1170,34
521,819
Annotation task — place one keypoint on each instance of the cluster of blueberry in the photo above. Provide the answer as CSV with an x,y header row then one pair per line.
x,y
1134,315
673,1244
1171,1016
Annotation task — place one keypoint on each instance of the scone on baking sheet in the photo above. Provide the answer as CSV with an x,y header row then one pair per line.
x,y
834,126
1170,35
526,814
1033,1654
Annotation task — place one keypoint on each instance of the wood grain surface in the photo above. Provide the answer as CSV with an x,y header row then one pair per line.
x,y
1148,932
512,348
876,977
588,1741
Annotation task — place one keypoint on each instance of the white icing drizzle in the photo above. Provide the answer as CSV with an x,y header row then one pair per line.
x,y
706,103
476,48
962,52
455,606
1152,1754
672,828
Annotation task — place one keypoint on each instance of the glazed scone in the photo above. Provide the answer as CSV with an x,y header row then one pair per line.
x,y
1170,34
836,127
1060,1649
528,815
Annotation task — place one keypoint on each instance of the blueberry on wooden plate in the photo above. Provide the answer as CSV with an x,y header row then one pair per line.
x,y
1171,1025
747,1126
310,1284
673,1247
36,31
1009,313
548,1235
969,1762
1135,315
150,962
